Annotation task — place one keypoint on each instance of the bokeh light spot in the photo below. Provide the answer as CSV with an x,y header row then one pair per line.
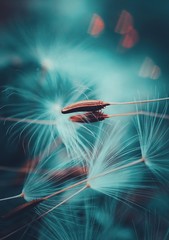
x,y
149,69
125,23
96,26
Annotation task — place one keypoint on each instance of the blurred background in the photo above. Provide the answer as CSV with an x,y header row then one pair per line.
x,y
120,47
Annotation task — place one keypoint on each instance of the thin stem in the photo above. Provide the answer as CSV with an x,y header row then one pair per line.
x,y
44,214
139,102
116,169
150,114
64,190
13,197
64,201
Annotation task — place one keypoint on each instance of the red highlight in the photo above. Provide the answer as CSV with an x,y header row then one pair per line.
x,y
130,39
125,27
125,23
96,25
89,117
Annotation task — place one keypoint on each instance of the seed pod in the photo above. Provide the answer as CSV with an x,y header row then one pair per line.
x,y
85,106
89,117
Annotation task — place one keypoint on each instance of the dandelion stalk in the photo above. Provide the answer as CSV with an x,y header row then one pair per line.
x,y
150,114
13,197
139,102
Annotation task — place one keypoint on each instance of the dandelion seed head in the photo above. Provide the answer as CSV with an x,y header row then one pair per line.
x,y
111,168
111,183
53,109
47,64
153,138
36,105
50,175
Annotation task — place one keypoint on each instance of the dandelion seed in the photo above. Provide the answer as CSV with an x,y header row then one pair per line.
x,y
70,173
89,117
102,167
45,213
111,169
49,175
109,172
52,52
153,139
106,175
37,117
83,106
96,105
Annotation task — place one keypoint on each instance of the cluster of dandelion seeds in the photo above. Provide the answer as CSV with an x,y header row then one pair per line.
x,y
79,180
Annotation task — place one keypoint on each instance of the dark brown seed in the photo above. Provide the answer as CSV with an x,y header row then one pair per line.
x,y
89,117
85,106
